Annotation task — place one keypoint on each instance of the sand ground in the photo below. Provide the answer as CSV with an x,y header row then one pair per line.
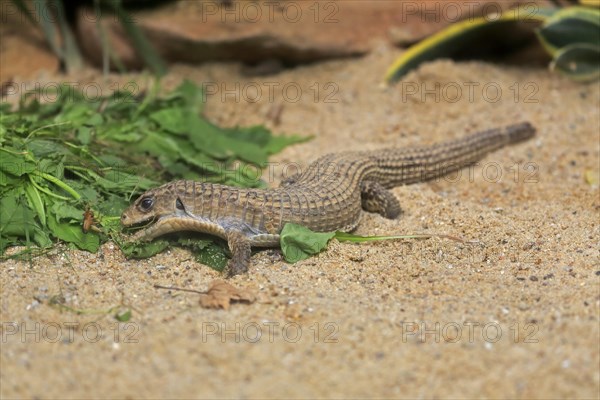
x,y
515,315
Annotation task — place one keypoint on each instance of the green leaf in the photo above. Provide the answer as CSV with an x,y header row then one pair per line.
x,y
174,120
191,94
17,222
159,145
36,202
278,143
580,62
143,249
123,315
88,193
205,251
8,180
47,148
113,205
84,135
299,243
16,165
349,237
64,211
569,26
461,36
73,233
212,255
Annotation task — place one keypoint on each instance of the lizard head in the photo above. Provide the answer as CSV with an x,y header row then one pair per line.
x,y
154,208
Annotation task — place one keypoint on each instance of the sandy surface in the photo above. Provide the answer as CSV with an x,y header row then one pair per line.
x,y
515,315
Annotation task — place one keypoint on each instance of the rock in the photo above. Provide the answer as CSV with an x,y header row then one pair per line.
x,y
23,51
293,32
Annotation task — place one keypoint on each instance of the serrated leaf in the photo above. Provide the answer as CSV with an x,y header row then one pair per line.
x,y
143,249
63,211
191,94
213,256
174,120
205,251
17,221
278,143
73,233
16,165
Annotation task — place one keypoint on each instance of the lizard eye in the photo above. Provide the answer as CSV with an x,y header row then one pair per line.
x,y
146,203
179,205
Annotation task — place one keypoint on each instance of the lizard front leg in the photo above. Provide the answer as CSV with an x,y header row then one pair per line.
x,y
240,250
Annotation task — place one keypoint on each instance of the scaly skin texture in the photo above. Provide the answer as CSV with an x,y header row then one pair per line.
x,y
328,196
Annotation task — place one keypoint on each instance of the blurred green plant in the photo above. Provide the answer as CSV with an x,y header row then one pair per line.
x,y
570,35
50,16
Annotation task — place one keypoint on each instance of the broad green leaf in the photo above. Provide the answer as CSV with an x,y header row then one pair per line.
x,y
460,36
77,114
65,211
200,160
143,249
299,243
174,120
191,94
569,26
17,221
278,143
8,180
73,233
16,165
213,256
581,62
113,205
123,315
159,144
206,251
84,135
88,193
48,148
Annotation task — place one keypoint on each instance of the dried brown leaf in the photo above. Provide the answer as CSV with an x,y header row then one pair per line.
x,y
221,294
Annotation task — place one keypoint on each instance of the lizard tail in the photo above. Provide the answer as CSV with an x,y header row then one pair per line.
x,y
520,132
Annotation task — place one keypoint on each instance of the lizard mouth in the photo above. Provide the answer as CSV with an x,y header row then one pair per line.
x,y
139,228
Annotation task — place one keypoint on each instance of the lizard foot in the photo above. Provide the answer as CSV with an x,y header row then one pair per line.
x,y
241,251
375,198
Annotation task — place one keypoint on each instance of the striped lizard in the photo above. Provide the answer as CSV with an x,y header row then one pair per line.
x,y
327,196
